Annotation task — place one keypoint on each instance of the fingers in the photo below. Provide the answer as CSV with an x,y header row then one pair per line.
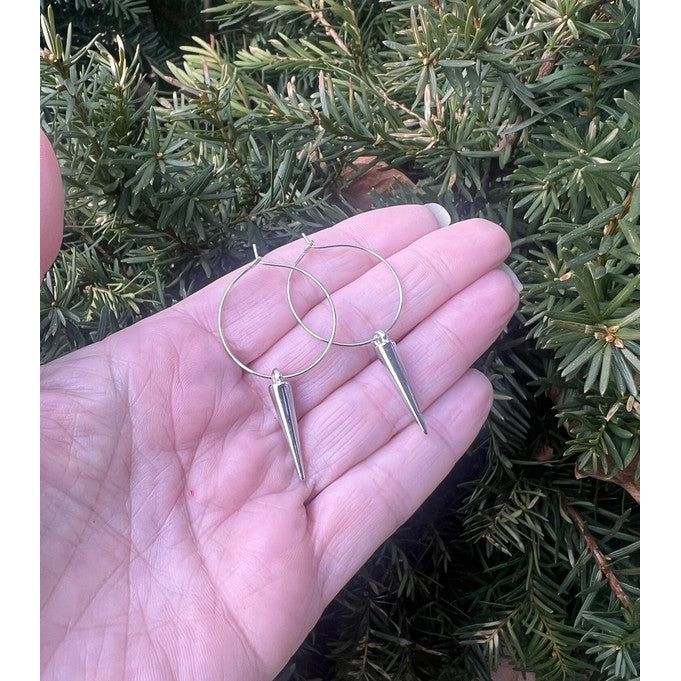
x,y
367,411
257,315
51,205
352,516
431,269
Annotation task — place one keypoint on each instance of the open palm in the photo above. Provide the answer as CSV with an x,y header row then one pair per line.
x,y
177,539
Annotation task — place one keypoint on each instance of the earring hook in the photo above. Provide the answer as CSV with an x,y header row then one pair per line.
x,y
308,242
364,249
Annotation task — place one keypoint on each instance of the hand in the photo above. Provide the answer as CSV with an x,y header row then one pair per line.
x,y
177,539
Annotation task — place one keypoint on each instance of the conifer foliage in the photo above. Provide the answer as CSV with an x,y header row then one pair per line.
x,y
178,152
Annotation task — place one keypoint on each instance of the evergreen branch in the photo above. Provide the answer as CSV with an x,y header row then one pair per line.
x,y
526,114
626,478
612,226
603,561
509,139
318,16
397,105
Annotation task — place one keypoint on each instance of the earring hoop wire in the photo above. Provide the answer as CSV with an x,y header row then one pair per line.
x,y
310,246
291,268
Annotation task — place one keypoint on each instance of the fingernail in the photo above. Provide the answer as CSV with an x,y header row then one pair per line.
x,y
440,213
513,276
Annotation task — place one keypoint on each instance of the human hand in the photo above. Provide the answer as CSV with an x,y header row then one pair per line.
x,y
177,539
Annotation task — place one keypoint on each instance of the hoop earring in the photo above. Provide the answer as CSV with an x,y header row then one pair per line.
x,y
280,389
385,348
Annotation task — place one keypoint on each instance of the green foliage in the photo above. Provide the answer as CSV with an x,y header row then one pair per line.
x,y
157,28
522,112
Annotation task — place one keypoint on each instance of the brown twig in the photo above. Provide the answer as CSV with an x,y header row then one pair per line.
x,y
107,257
548,63
329,30
602,560
401,107
549,59
509,139
612,226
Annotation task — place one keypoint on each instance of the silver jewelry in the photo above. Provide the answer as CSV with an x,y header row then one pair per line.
x,y
280,389
385,348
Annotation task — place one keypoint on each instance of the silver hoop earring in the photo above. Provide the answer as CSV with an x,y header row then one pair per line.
x,y
280,389
386,349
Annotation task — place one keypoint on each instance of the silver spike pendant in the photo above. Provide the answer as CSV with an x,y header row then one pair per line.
x,y
386,350
282,398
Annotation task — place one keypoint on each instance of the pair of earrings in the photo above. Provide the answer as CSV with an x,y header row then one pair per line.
x,y
280,389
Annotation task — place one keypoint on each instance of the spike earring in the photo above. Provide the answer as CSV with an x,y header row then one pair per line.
x,y
280,389
385,348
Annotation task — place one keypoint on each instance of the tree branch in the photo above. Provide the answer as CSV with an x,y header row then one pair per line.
x,y
330,31
612,226
602,560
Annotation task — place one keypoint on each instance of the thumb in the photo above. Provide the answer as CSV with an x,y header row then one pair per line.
x,y
51,205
